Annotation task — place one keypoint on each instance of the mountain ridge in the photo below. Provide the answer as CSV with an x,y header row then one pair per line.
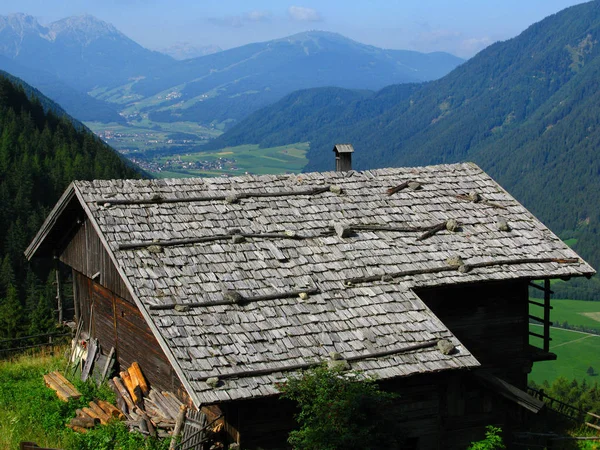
x,y
524,109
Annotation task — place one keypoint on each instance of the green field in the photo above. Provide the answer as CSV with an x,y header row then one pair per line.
x,y
576,312
575,351
234,161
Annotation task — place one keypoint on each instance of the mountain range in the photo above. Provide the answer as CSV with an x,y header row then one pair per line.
x,y
526,110
94,59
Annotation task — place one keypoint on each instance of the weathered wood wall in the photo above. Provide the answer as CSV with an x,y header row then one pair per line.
x,y
491,320
86,254
117,322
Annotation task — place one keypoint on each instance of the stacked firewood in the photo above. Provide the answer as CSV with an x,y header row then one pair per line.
x,y
99,412
147,410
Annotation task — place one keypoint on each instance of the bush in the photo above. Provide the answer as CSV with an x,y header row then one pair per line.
x,y
492,441
341,411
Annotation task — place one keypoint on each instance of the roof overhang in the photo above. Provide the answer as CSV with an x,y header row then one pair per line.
x,y
57,229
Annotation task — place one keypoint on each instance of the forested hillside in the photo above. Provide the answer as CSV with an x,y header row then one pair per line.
x,y
527,110
40,154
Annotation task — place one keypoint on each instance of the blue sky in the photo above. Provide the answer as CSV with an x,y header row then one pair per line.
x,y
462,27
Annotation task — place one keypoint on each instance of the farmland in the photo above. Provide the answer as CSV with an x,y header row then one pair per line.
x,y
576,351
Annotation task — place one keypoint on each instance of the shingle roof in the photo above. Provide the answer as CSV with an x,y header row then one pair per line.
x,y
265,239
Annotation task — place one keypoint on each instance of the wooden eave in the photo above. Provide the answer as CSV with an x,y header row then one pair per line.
x,y
58,227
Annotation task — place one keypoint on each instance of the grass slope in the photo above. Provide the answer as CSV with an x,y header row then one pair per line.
x,y
29,411
575,352
577,312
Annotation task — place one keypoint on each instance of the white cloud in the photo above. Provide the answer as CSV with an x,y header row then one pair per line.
x,y
257,16
301,14
240,20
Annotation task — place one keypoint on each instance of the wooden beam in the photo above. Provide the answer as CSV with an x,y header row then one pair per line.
x,y
157,200
533,302
547,315
293,367
276,296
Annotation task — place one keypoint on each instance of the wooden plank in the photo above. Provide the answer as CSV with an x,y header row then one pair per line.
x,y
589,413
68,385
130,387
135,372
122,390
63,387
158,400
109,364
93,348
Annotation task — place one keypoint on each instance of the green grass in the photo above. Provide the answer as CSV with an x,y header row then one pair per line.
x,y
239,160
576,312
575,353
29,411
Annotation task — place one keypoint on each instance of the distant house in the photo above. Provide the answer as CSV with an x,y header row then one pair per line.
x,y
222,287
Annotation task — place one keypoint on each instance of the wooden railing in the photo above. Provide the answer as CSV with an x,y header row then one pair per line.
x,y
569,411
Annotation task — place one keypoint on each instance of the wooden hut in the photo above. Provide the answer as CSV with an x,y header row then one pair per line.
x,y
221,288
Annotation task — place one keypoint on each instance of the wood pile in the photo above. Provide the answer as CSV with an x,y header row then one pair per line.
x,y
148,411
99,412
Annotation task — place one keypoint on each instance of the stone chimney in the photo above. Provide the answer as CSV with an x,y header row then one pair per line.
x,y
343,157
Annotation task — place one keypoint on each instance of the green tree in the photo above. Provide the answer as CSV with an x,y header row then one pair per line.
x,y
341,411
11,314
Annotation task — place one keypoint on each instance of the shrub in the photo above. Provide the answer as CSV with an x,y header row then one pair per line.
x,y
341,411
492,441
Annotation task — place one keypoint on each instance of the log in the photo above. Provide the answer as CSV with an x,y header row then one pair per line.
x,y
112,410
92,414
135,371
123,393
129,385
84,422
76,428
104,417
432,231
178,426
398,188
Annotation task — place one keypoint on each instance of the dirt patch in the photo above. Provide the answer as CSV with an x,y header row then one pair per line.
x,y
592,315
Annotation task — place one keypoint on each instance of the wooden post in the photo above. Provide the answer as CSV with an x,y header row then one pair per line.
x,y
178,426
546,315
59,305
75,298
